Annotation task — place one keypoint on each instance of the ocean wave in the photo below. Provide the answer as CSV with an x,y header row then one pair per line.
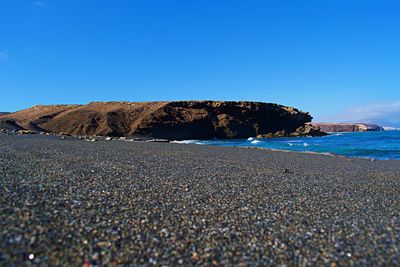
x,y
256,142
185,142
250,139
291,141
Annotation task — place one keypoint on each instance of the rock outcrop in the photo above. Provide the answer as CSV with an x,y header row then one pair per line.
x,y
9,125
304,130
348,127
308,130
168,120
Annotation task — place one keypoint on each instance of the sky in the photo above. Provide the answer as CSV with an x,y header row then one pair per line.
x,y
338,60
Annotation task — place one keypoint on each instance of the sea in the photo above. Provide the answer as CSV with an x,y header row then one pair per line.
x,y
382,145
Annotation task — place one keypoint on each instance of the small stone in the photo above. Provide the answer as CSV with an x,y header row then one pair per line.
x,y
102,244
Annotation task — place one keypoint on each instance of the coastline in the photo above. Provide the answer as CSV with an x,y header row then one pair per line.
x,y
301,152
368,145
317,153
71,202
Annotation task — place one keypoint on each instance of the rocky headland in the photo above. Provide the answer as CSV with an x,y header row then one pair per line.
x,y
347,127
176,120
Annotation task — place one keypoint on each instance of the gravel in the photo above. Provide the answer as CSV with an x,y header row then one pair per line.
x,y
72,202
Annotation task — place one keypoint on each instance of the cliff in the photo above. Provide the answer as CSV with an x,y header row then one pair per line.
x,y
9,125
347,127
169,120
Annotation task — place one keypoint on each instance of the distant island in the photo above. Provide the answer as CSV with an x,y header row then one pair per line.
x,y
347,127
172,120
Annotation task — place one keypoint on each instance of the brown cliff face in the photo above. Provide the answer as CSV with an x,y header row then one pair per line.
x,y
168,120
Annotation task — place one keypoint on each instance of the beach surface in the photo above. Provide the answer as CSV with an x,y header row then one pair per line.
x,y
73,202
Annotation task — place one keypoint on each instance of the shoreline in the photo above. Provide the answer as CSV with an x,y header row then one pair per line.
x,y
319,153
284,150
196,142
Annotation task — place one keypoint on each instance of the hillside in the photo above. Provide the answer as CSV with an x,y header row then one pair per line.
x,y
169,120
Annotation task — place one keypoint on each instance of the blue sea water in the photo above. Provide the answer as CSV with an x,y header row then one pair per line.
x,y
378,145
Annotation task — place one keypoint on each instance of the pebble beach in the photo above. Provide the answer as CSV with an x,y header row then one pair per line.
x,y
69,202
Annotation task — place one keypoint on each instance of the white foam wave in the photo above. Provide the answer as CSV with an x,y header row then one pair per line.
x,y
250,139
185,142
256,142
291,141
391,128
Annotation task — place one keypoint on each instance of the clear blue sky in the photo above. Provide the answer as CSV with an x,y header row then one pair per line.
x,y
325,57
